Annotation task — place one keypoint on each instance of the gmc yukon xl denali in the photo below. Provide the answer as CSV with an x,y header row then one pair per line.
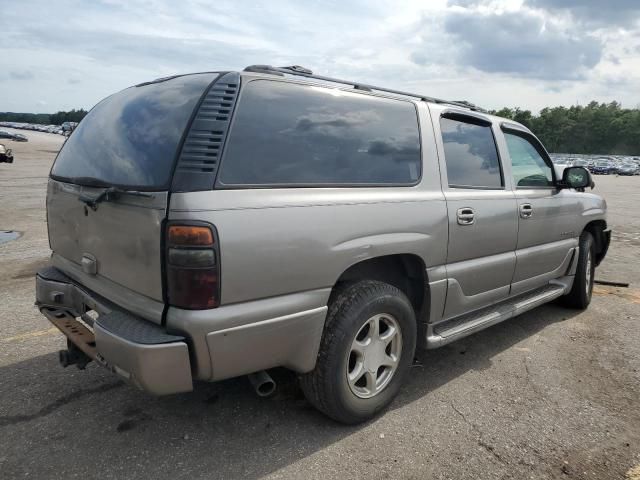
x,y
220,224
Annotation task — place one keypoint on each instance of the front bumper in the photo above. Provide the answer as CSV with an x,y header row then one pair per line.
x,y
141,352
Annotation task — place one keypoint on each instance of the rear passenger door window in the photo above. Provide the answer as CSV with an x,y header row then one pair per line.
x,y
470,153
527,164
301,135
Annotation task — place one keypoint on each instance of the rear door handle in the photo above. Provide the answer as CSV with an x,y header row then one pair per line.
x,y
466,216
526,210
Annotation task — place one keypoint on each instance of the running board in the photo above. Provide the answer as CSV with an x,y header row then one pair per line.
x,y
459,327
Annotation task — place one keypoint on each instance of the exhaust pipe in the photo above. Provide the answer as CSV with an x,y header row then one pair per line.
x,y
262,383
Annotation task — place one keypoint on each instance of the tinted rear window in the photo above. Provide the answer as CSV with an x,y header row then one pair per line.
x,y
471,154
130,138
288,134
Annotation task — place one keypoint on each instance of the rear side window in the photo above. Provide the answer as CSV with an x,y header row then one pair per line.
x,y
130,138
470,154
288,134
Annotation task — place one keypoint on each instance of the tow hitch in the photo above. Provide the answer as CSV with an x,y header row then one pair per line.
x,y
73,356
81,343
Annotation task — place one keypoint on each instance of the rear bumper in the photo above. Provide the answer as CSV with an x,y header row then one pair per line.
x,y
207,345
139,351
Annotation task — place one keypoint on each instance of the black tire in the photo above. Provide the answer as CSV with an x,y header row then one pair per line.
x,y
350,308
580,295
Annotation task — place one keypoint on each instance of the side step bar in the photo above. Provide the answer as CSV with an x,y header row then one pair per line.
x,y
450,330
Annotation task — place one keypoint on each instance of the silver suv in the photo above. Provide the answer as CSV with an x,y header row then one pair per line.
x,y
220,224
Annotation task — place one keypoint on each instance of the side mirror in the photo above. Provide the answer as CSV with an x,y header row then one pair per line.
x,y
8,152
577,177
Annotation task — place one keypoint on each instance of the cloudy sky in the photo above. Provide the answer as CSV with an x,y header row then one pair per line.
x,y
67,54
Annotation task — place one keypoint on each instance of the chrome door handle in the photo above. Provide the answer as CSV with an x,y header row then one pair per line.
x,y
466,216
526,210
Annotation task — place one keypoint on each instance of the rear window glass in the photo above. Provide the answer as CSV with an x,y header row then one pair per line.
x,y
288,134
470,154
130,138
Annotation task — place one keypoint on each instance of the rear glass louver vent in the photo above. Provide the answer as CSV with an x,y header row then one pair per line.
x,y
200,155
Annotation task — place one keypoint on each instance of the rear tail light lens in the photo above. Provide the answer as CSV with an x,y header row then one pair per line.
x,y
192,267
183,257
190,236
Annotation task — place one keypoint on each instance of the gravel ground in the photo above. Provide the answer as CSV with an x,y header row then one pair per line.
x,y
551,394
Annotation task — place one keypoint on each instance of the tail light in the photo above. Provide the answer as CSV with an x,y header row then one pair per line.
x,y
193,275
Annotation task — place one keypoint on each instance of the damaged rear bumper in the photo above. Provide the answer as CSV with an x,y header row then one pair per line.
x,y
141,352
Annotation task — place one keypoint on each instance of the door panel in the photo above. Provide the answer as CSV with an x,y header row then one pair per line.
x,y
529,281
547,235
546,215
482,212
541,259
480,257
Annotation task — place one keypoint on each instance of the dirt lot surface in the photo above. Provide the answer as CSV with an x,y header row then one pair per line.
x,y
551,394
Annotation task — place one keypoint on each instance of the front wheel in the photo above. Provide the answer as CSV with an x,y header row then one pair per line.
x,y
366,349
580,294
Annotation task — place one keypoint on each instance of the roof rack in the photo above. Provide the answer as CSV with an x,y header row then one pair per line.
x,y
305,72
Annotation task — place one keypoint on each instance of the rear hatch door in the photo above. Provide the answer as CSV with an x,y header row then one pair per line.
x,y
109,188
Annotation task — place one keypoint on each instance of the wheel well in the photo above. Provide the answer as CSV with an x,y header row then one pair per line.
x,y
406,272
596,228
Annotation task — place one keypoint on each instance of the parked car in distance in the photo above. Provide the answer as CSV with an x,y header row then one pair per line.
x,y
57,129
602,167
628,169
6,156
563,162
284,219
68,127
19,137
581,163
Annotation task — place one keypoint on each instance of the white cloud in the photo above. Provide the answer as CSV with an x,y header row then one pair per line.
x,y
494,53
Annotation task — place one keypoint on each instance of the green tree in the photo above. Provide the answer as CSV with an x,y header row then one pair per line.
x,y
596,128
44,118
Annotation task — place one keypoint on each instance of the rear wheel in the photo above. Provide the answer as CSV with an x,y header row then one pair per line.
x,y
580,294
366,349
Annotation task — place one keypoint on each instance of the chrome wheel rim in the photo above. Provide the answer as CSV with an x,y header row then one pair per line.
x,y
587,273
374,355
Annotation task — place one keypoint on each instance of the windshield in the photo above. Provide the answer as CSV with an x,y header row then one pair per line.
x,y
130,138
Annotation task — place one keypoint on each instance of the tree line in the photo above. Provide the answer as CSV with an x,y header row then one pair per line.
x,y
57,118
597,128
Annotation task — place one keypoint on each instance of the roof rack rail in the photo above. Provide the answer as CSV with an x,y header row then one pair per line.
x,y
305,72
